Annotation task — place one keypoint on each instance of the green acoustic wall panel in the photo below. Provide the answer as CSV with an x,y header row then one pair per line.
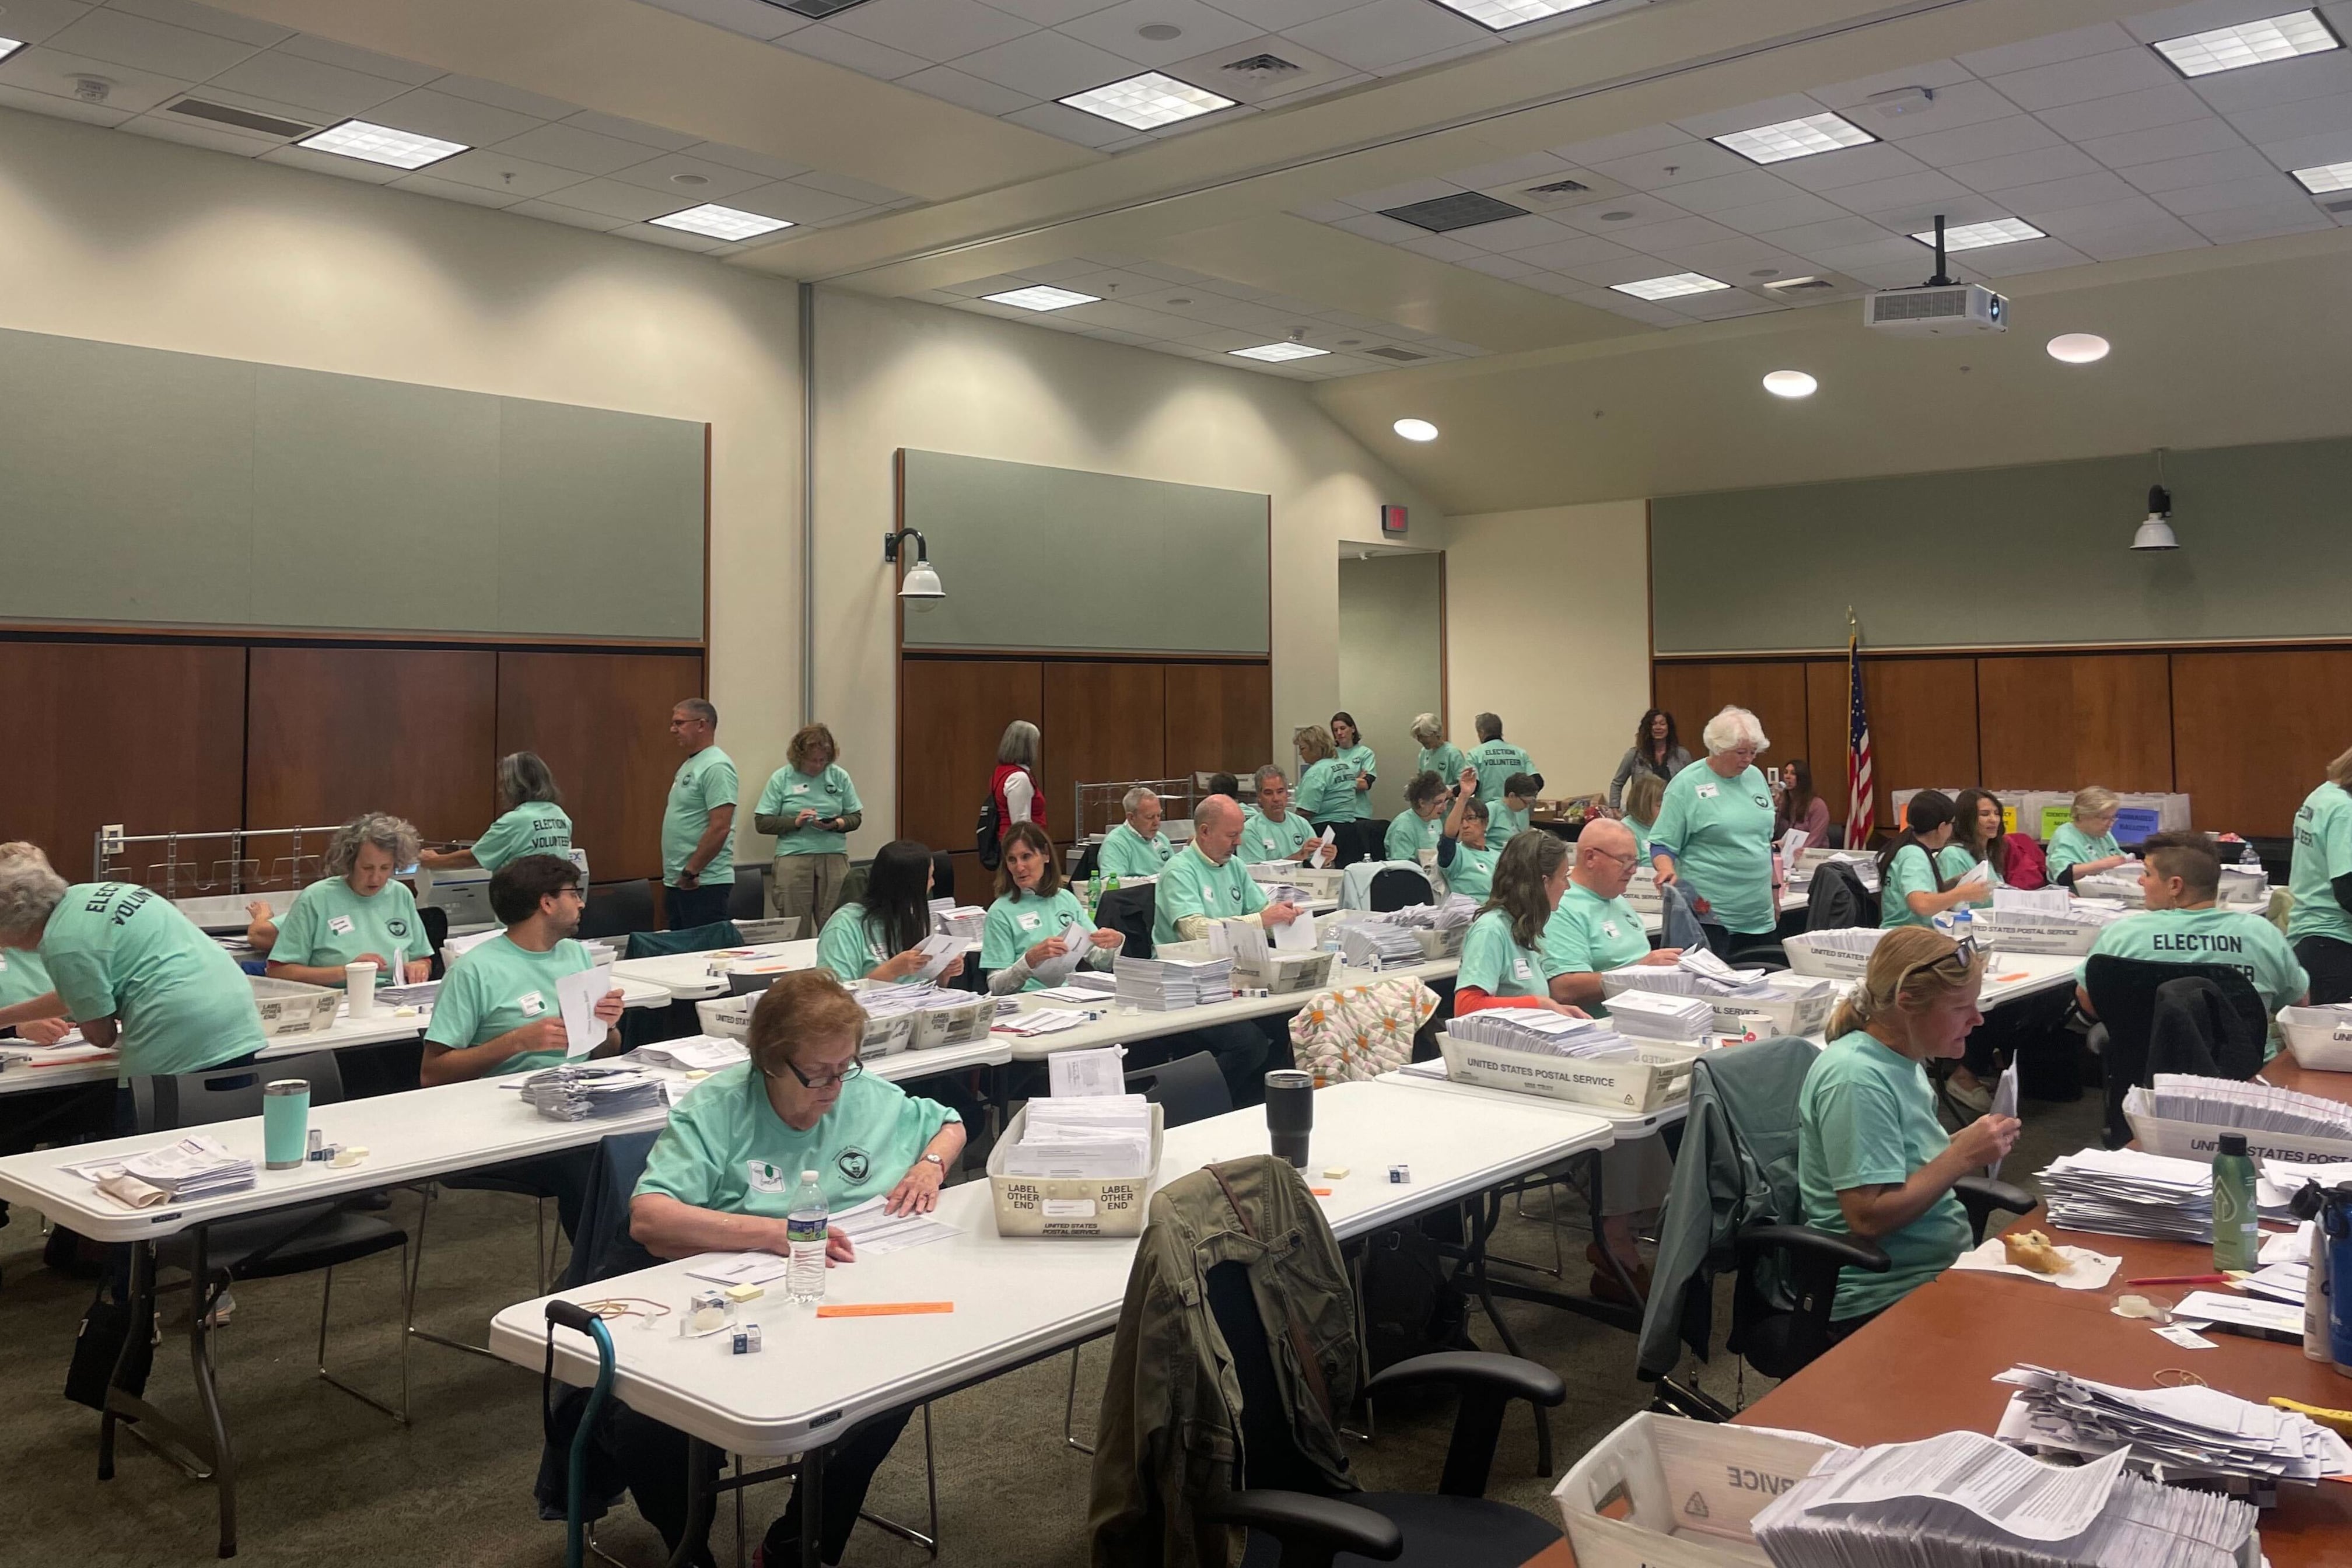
x,y
1054,558
144,486
2020,556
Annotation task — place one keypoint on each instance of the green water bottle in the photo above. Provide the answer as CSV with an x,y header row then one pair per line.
x,y
2236,1240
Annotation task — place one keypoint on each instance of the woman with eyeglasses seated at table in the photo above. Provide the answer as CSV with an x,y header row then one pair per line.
x,y
1871,1160
878,935
721,1178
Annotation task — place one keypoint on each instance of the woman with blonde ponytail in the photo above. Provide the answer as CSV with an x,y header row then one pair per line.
x,y
1872,1159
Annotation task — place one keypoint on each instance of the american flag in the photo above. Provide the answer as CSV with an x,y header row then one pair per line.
x,y
1860,813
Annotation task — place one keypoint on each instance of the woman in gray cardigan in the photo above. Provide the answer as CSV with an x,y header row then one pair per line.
x,y
1655,747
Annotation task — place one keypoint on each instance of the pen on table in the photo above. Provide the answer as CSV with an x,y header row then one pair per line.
x,y
2228,1278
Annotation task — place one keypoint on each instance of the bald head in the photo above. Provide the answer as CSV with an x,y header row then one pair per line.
x,y
1217,827
1605,859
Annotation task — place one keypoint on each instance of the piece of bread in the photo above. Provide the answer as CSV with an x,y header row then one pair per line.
x,y
2031,1250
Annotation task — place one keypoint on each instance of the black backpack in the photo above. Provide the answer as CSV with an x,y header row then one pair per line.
x,y
1412,1305
988,838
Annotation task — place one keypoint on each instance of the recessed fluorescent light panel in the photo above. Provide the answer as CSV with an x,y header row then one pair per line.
x,y
1276,353
2325,177
1148,101
1671,288
9,47
2249,44
1503,15
1039,297
1795,139
721,222
381,144
1977,236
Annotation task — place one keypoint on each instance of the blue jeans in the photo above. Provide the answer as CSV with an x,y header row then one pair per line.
x,y
691,907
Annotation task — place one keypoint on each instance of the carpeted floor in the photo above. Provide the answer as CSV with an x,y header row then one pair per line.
x,y
324,1479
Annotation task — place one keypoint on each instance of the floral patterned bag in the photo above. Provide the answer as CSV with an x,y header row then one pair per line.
x,y
1355,1032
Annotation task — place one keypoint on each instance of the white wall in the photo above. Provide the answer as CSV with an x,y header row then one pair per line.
x,y
895,373
1547,624
1391,659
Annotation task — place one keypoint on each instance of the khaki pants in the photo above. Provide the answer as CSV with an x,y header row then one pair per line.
x,y
1635,1176
806,885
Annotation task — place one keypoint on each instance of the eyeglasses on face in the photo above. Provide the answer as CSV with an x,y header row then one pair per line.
x,y
821,1080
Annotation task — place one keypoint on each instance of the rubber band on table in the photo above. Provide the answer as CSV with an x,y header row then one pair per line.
x,y
2179,1377
612,1307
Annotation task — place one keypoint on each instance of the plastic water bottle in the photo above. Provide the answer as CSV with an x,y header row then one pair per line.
x,y
2236,1241
2249,857
805,1228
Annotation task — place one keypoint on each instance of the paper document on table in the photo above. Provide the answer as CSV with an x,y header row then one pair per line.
x,y
938,951
874,1234
2032,900
1792,844
1044,1021
738,1267
577,995
2004,1104
1295,935
695,1053
1086,1072
1053,971
2287,1282
2260,1317
2015,1493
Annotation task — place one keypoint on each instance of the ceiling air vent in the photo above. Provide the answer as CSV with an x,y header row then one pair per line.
x,y
1558,188
1403,356
1442,214
2342,204
242,119
819,9
1264,68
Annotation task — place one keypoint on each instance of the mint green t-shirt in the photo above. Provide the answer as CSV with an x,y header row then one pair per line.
x,y
1127,853
1326,791
1189,885
1720,831
2236,938
1496,761
1447,762
705,782
1263,839
1641,831
727,1150
2323,852
329,926
1472,871
1410,833
2069,845
1503,824
116,949
830,793
848,946
1589,935
1493,962
1356,762
22,976
1866,1117
1958,862
494,988
1019,921
534,827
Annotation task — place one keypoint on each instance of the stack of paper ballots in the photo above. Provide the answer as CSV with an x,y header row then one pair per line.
x,y
1379,942
196,1167
1088,1135
577,1094
1167,984
1536,1029
1656,1015
2123,1192
2174,1434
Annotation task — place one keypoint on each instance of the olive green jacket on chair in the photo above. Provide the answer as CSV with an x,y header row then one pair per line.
x,y
1168,1443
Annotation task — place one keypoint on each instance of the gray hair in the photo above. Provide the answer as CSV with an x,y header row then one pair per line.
x,y
1211,806
1270,771
1731,728
1132,801
396,836
30,890
1427,729
522,776
1019,747
699,707
1489,726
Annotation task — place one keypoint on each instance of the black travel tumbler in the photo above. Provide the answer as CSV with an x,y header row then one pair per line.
x,y
1290,1112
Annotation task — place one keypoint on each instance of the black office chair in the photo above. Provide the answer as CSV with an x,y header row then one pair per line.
x,y
1837,901
436,931
616,909
1089,861
1130,912
2123,994
747,898
695,938
272,1245
1398,889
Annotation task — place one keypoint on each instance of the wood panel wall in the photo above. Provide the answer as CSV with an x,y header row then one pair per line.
x,y
2244,732
1220,716
211,734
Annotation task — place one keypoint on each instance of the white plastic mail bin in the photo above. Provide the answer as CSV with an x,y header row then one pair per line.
x,y
1068,1205
290,1007
1640,1078
1665,1492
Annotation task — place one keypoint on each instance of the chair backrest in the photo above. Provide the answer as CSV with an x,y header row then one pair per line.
x,y
1089,860
170,1100
2123,994
617,909
1189,1089
1269,1449
747,898
1130,911
436,931
695,938
1838,901
1395,887
603,1247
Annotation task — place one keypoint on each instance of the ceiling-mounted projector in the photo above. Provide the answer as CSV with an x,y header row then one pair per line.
x,y
1938,307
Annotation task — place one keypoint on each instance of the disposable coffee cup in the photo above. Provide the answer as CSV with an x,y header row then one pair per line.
x,y
1290,1112
284,1122
359,986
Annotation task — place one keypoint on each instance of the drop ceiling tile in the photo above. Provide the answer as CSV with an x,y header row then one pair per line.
x,y
749,162
2280,81
1681,162
1555,283
1830,172
498,95
1328,212
1724,191
829,43
1200,29
1788,211
2126,240
1632,269
325,91
931,30
200,18
856,190
2300,117
1905,256
48,70
796,203
2030,255
1513,234
429,111
1903,191
188,133
1857,94
425,184
1387,230
1070,124
1508,171
2170,104
358,169
1500,266
1570,255
2037,167
569,147
2090,76
367,62
676,238
1722,305
2033,202
1441,247
2260,220
1771,112
1624,144
1618,304
1387,33
2105,38
14,97
1404,195
718,181
966,90
750,17
1048,65
490,170
2179,173
2195,201
2162,143
1985,139
1312,90
616,200
1812,238
1588,217
577,218
2304,152
157,47
1962,103
32,21
1738,260
1677,234
1050,12
653,136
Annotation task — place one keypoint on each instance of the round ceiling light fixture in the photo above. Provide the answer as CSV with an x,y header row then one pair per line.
x,y
1790,384
1415,429
2078,348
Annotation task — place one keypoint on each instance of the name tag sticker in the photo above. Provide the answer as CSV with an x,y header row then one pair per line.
x,y
340,925
797,789
764,1177
532,1003
1608,927
1029,922
1518,969
1707,792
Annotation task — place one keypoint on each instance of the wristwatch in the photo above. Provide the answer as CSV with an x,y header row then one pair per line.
x,y
935,1160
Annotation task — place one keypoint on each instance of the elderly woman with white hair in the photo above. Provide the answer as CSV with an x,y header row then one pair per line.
x,y
1136,847
1713,833
1438,755
357,914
